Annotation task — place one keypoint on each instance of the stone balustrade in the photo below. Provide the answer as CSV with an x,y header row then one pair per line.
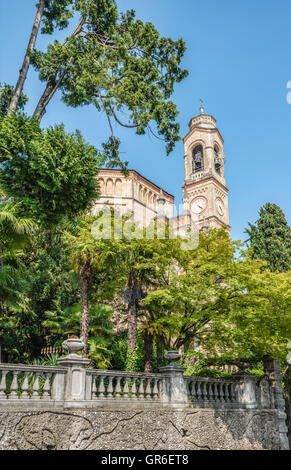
x,y
208,392
74,385
114,385
30,383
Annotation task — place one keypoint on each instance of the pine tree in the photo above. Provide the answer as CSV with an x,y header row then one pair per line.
x,y
270,238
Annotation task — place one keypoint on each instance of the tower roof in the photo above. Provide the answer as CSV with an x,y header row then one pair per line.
x,y
202,120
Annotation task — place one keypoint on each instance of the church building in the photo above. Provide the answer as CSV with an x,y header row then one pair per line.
x,y
205,195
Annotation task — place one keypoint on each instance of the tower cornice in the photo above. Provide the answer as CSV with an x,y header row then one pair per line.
x,y
192,184
202,129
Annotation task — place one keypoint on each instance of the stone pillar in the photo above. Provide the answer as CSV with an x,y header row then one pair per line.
x,y
273,372
75,388
247,386
58,386
174,387
248,396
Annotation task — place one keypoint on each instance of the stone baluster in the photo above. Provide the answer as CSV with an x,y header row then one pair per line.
x,y
220,391
46,387
232,392
189,385
205,391
211,392
235,392
199,393
141,392
155,391
110,389
118,387
126,388
226,388
14,385
35,387
192,390
215,392
147,389
25,386
3,385
94,388
101,388
134,388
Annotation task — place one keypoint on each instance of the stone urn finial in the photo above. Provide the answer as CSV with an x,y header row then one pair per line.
x,y
172,357
73,345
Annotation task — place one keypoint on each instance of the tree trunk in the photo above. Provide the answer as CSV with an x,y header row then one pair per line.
x,y
53,83
148,351
26,61
50,89
159,352
85,275
132,325
132,312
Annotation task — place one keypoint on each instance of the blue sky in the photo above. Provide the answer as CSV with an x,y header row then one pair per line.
x,y
239,61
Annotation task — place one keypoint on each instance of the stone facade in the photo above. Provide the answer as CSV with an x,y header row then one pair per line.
x,y
132,194
139,429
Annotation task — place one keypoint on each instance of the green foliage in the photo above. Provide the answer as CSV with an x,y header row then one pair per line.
x,y
270,238
122,357
135,360
47,360
119,351
117,63
42,281
67,322
224,301
198,364
56,15
51,172
15,231
6,93
19,330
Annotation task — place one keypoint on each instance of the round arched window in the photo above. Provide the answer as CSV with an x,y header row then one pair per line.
x,y
118,187
101,186
109,186
197,159
217,160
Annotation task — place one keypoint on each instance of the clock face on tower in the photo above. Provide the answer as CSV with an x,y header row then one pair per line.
x,y
220,206
199,205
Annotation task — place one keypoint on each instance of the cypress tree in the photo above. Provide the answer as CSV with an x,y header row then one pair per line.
x,y
270,238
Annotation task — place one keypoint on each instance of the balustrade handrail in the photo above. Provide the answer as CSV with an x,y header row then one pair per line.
x,y
32,368
125,373
212,379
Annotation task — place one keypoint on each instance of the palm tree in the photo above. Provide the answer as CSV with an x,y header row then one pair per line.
x,y
92,259
15,231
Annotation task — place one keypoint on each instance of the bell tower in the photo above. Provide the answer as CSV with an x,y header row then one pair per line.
x,y
204,188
